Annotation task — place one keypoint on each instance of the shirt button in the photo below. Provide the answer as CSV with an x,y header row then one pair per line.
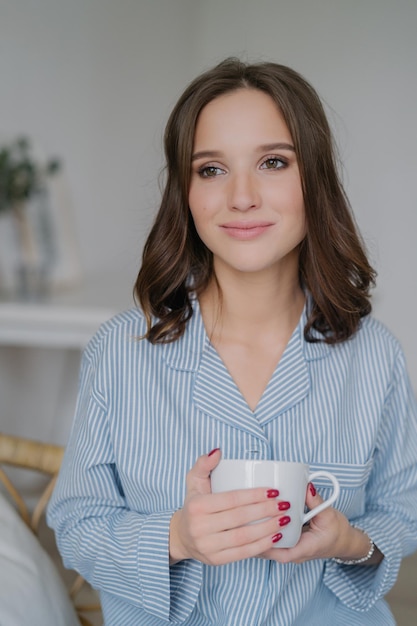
x,y
252,453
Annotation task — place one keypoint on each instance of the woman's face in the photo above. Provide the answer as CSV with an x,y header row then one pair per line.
x,y
245,192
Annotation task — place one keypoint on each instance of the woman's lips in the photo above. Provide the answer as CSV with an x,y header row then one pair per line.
x,y
245,230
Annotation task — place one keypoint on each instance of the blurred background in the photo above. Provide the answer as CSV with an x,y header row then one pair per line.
x,y
91,84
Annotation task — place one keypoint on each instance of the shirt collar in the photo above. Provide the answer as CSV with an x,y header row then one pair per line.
x,y
185,353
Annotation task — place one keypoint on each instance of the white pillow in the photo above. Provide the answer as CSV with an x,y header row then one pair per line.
x,y
32,592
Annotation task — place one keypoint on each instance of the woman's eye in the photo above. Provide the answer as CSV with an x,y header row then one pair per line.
x,y
209,171
273,163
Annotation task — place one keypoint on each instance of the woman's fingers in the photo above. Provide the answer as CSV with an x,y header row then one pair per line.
x,y
313,498
235,509
241,543
198,478
224,527
321,539
235,543
242,535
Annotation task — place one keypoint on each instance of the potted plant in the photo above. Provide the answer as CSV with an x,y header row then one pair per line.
x,y
22,180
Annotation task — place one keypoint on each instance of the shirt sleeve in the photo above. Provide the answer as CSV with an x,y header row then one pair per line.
x,y
115,549
390,517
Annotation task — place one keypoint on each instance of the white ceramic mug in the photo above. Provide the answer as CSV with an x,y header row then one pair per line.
x,y
290,479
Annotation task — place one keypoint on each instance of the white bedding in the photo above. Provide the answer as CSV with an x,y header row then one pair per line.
x,y
31,590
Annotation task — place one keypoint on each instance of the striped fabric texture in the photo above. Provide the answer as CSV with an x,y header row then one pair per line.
x,y
145,413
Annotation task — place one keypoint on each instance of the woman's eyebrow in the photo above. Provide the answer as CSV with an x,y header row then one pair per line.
x,y
267,147
270,147
206,154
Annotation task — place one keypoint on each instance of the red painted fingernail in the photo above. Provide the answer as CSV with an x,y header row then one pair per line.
x,y
213,451
283,506
272,493
276,537
312,489
283,521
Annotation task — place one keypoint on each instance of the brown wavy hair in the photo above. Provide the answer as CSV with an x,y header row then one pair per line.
x,y
333,265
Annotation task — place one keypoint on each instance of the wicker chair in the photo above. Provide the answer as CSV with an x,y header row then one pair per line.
x,y
44,458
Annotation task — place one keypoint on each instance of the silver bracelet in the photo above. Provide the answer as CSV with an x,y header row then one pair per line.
x,y
361,560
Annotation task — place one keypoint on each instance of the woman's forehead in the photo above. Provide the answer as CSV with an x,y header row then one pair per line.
x,y
245,114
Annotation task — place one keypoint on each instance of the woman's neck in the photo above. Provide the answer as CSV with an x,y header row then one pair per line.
x,y
250,325
237,308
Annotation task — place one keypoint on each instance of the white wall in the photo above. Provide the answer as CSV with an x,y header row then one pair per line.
x,y
93,81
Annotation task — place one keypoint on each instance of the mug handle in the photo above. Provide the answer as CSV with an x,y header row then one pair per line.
x,y
329,501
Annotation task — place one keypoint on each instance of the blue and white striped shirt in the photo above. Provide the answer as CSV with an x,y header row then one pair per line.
x,y
146,412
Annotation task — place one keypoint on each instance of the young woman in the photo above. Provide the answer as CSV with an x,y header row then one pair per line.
x,y
253,339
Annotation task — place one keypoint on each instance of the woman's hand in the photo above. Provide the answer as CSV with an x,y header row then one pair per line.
x,y
215,528
329,534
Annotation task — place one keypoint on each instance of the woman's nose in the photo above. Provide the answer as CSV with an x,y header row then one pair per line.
x,y
243,192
